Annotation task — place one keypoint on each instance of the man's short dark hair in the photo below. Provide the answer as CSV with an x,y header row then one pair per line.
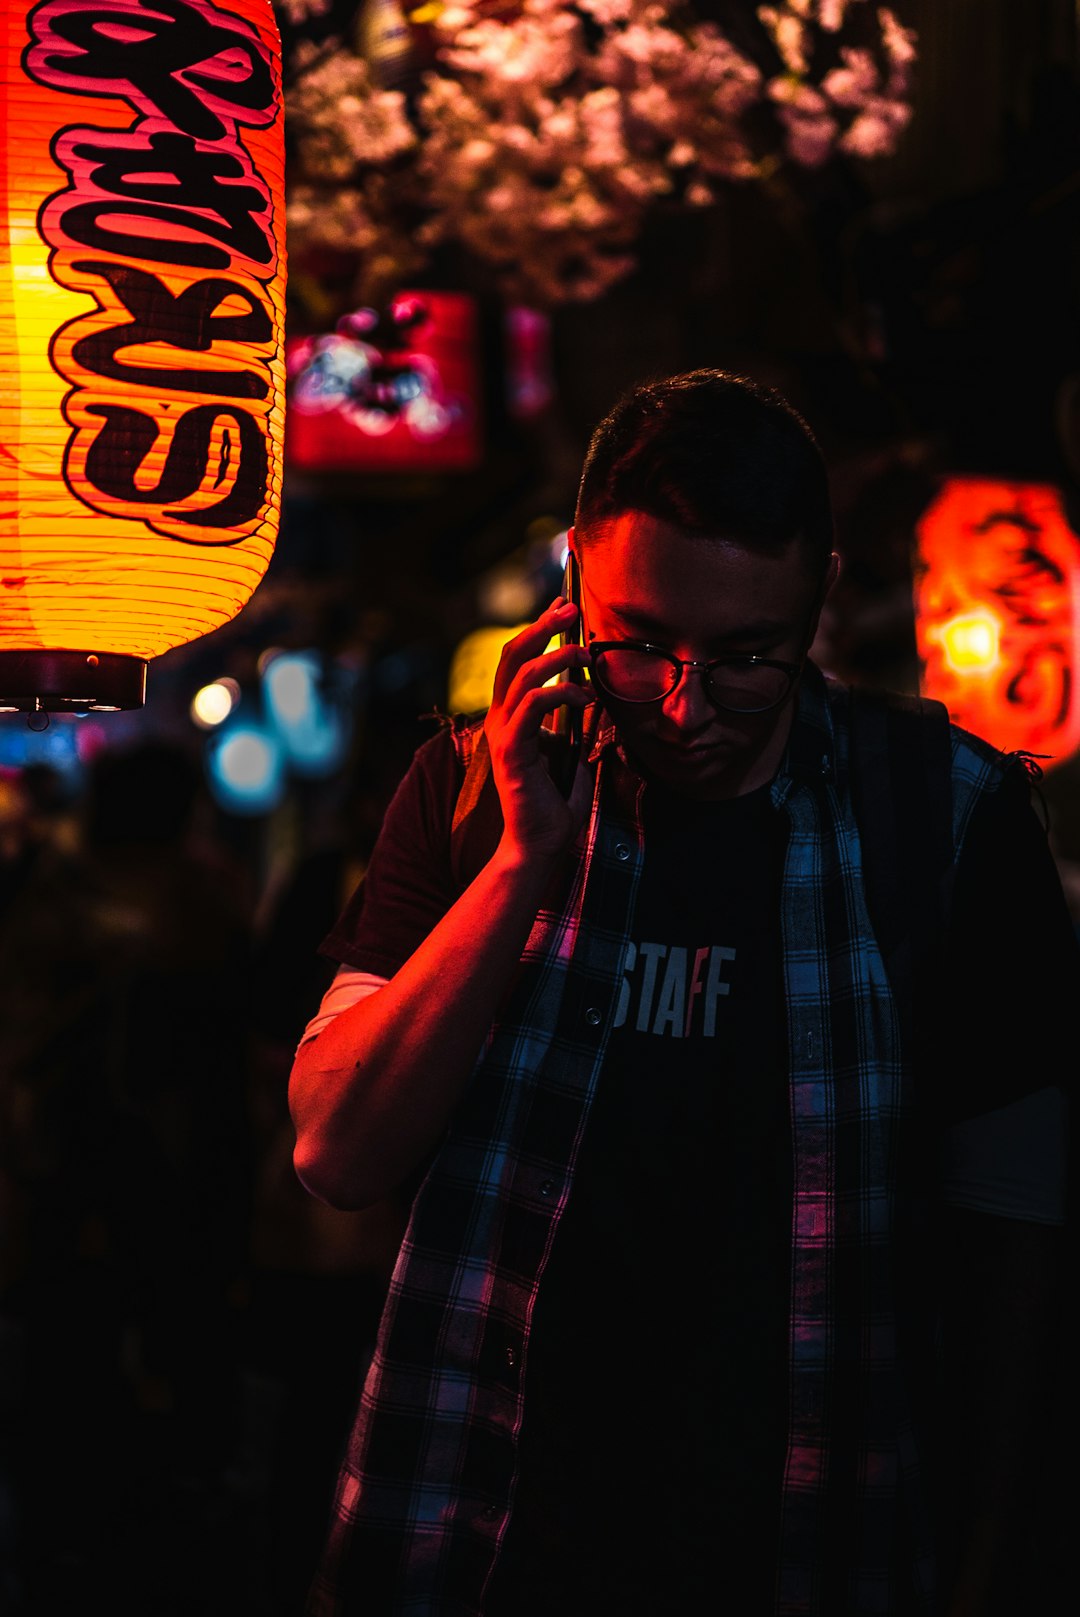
x,y
713,454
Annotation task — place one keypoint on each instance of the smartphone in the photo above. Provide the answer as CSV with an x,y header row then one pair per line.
x,y
569,721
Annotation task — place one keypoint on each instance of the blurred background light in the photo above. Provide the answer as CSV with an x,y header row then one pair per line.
x,y
971,644
473,665
212,704
507,595
245,768
58,745
290,681
308,704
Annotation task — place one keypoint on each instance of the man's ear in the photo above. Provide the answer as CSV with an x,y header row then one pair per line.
x,y
572,544
831,574
829,578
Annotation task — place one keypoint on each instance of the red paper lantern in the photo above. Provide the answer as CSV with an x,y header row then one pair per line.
x,y
997,613
142,270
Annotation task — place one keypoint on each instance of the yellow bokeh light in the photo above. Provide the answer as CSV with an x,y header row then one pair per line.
x,y
213,704
472,668
473,665
971,644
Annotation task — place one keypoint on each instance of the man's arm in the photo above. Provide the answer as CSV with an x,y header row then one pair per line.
x,y
371,1095
1004,1035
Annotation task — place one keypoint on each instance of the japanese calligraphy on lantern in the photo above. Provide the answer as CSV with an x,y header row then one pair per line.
x,y
152,366
142,269
997,613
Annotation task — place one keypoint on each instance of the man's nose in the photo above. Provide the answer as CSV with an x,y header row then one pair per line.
x,y
687,706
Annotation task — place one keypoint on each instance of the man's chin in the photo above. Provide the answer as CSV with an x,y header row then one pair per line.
x,y
713,769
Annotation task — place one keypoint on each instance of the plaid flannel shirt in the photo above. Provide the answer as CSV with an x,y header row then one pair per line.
x,y
427,1484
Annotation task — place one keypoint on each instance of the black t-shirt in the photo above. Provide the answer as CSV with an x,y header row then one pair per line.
x,y
655,1388
661,1326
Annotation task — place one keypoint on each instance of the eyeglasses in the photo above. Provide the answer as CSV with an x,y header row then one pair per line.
x,y
634,671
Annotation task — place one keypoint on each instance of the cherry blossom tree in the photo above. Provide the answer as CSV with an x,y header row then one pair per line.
x,y
535,138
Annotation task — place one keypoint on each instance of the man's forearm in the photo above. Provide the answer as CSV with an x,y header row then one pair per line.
x,y
371,1095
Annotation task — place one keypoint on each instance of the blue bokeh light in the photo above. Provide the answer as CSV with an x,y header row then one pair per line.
x,y
245,766
308,711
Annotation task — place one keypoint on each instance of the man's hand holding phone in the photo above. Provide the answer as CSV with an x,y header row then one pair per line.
x,y
526,755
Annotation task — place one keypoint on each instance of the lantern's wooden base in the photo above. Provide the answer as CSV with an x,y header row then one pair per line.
x,y
70,681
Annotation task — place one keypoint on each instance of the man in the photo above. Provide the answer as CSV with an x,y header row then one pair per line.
x,y
695,1198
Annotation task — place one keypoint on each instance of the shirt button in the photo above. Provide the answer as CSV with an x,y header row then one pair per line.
x,y
593,1016
621,851
511,1357
490,1512
547,1187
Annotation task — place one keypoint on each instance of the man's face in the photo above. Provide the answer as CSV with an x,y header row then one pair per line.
x,y
643,579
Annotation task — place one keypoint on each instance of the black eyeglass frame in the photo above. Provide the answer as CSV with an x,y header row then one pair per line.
x,y
680,664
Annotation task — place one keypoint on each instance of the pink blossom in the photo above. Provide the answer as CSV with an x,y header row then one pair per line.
x,y
514,138
844,87
478,151
556,216
642,181
588,212
861,67
810,141
455,17
602,125
608,11
299,11
560,125
799,97
501,198
831,14
654,105
873,134
645,45
899,42
789,37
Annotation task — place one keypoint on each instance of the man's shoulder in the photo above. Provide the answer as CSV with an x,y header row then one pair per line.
x,y
453,743
911,720
428,785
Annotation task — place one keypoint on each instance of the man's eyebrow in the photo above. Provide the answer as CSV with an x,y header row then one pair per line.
x,y
763,629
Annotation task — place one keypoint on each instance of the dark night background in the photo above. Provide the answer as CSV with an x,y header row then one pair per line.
x,y
181,1328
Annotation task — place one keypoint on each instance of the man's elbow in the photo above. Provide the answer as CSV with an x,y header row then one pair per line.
x,y
319,1163
323,1175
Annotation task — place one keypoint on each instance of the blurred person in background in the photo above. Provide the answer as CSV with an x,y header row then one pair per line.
x,y
735,1241
318,1275
123,993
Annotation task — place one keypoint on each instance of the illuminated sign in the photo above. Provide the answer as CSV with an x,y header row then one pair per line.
x,y
997,613
397,390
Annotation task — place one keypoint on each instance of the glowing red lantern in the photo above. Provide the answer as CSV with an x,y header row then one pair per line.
x,y
997,613
142,279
